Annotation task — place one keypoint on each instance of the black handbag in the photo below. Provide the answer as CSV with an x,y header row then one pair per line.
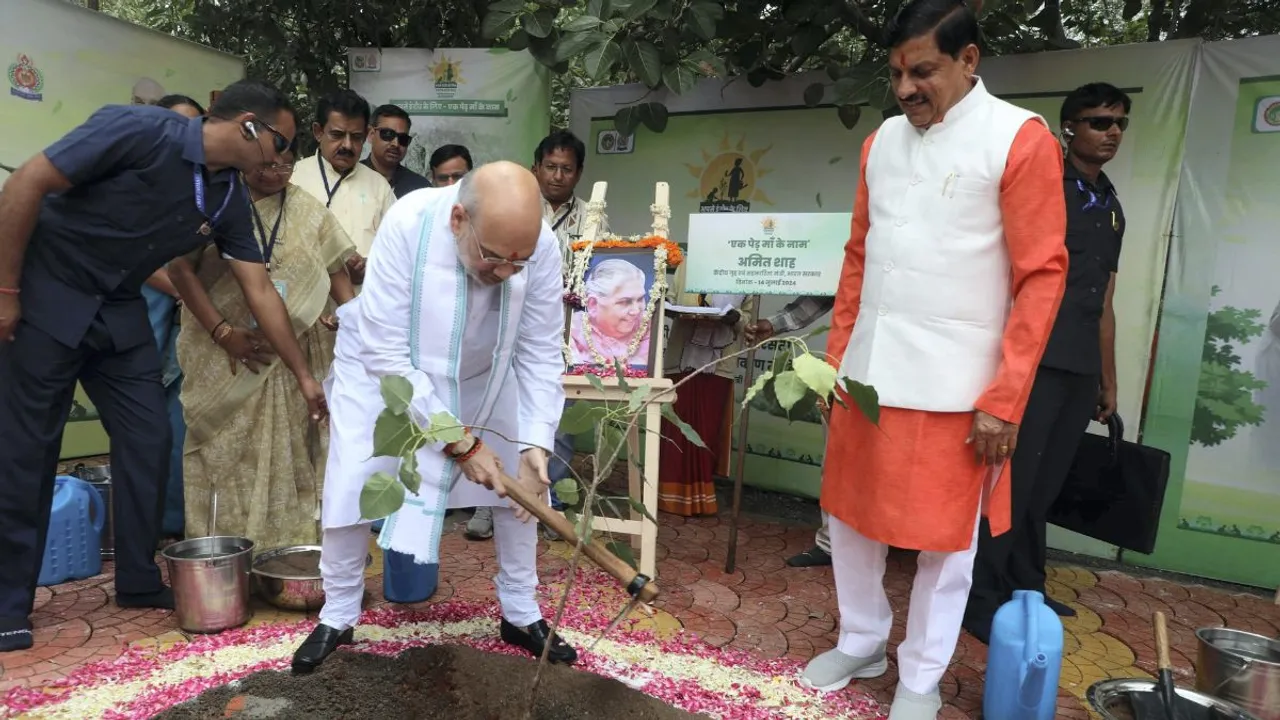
x,y
1114,491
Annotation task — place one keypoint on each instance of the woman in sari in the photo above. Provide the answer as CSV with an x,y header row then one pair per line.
x,y
247,441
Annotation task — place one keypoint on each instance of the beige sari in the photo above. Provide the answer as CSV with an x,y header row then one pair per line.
x,y
248,436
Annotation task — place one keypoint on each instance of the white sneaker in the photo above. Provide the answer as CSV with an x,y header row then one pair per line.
x,y
833,670
908,705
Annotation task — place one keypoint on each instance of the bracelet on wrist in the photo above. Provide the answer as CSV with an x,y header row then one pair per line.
x,y
470,453
221,332
9,291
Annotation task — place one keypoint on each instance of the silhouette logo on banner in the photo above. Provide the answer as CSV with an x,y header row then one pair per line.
x,y
448,76
729,181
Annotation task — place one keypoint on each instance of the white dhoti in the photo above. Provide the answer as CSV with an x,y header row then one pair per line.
x,y
487,356
938,597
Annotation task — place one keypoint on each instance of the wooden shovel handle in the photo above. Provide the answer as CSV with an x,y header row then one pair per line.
x,y
598,554
1162,642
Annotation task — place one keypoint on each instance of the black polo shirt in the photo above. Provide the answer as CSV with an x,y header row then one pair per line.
x,y
131,209
403,180
1095,230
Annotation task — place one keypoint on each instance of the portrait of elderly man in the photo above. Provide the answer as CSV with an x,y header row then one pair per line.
x,y
616,295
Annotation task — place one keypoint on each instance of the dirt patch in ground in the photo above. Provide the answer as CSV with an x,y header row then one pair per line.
x,y
444,682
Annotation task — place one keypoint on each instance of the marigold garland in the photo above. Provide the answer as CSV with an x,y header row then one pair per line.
x,y
674,255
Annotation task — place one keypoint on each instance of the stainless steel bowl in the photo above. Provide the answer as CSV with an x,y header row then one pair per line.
x,y
289,577
1111,699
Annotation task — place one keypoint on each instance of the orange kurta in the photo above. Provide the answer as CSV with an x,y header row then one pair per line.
x,y
913,482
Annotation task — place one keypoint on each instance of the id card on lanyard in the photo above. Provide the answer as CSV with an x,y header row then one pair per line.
x,y
282,288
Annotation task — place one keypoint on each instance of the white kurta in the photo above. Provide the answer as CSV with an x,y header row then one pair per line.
x,y
489,356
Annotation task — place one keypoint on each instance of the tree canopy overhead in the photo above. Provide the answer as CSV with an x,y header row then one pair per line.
x,y
665,43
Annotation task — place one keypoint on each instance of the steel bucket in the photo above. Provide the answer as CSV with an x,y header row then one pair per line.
x,y
1114,700
210,579
299,587
1240,667
99,477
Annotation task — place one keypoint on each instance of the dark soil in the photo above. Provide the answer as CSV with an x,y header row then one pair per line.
x,y
439,682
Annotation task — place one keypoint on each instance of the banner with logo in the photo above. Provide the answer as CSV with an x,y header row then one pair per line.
x,y
495,102
62,63
1215,392
755,253
730,148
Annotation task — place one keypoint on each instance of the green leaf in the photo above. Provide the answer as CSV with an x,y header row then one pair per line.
x,y
392,433
571,515
620,374
572,45
644,60
799,11
595,381
581,417
397,393
637,9
708,63
623,551
654,116
781,360
381,496
539,24
1131,9
567,490
866,398
582,23
756,387
599,60
706,13
807,39
789,388
496,24
681,77
507,6
609,441
685,429
813,94
640,508
816,374
599,8
635,400
409,476
519,41
849,115
445,428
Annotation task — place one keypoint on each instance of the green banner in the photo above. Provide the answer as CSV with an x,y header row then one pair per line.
x,y
758,254
62,63
1215,395
493,101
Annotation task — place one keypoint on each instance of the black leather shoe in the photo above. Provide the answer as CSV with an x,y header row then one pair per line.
x,y
534,638
319,645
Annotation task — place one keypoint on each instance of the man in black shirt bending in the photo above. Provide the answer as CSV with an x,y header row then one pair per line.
x,y
1076,381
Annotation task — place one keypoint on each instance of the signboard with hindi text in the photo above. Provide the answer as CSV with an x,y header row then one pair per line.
x,y
766,253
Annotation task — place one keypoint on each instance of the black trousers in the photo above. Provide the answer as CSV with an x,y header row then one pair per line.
x,y
1058,413
37,384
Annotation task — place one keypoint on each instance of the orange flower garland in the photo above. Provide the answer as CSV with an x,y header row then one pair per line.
x,y
674,255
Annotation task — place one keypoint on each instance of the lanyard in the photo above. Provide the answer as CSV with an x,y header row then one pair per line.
x,y
198,180
569,211
1102,203
268,245
324,177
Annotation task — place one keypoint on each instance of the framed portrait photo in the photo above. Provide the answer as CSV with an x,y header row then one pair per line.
x,y
614,316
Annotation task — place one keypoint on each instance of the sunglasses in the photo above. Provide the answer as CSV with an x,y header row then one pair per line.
x,y
1104,123
487,257
387,135
281,143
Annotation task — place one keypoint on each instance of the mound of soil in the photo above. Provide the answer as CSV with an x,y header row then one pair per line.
x,y
444,682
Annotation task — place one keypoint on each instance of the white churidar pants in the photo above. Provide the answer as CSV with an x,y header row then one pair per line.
x,y
342,558
938,598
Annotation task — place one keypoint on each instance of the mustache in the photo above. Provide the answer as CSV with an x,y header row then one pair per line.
x,y
344,151
912,99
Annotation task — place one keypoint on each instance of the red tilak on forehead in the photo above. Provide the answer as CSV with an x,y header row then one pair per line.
x,y
513,256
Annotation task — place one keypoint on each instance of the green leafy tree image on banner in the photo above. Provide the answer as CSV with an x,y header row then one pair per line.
x,y
1224,402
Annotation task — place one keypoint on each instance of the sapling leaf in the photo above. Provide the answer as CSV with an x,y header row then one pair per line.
x,y
623,551
571,515
445,428
610,441
581,417
685,429
866,398
397,393
762,380
392,433
781,360
818,375
567,490
637,397
409,476
640,508
788,388
620,372
381,496
595,381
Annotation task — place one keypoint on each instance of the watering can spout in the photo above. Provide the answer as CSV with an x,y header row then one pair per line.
x,y
1033,681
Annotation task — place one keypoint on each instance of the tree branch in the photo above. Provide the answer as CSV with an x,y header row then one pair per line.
x,y
855,16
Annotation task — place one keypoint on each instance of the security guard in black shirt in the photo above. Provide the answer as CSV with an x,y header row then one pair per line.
x,y
82,226
1076,381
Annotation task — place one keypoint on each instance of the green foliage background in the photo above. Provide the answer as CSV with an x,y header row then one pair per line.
x,y
1224,402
